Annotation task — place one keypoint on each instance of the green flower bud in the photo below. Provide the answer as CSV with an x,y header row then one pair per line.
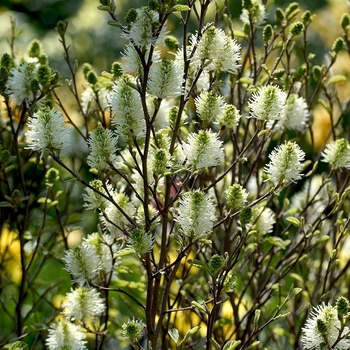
x,y
317,72
159,162
230,282
236,196
216,263
87,67
321,326
267,33
290,10
172,115
16,197
43,75
131,16
278,73
116,70
246,28
300,72
91,78
154,5
3,79
51,176
247,4
343,306
6,61
43,59
140,241
306,17
55,76
132,330
279,16
61,28
34,49
245,216
5,156
345,21
171,42
34,85
338,45
296,28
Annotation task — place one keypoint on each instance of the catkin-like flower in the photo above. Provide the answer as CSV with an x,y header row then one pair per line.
x,y
140,241
217,51
103,145
133,330
196,214
82,263
208,106
203,150
295,114
90,102
337,154
285,163
65,335
94,200
166,80
256,13
83,304
127,106
236,196
229,118
47,131
321,330
22,85
263,219
267,103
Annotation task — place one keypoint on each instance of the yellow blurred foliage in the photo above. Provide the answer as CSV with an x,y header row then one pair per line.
x,y
10,254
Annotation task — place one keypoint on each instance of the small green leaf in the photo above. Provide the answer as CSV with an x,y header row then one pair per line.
x,y
181,8
336,79
198,306
246,80
197,263
278,242
294,221
114,24
5,204
231,344
174,334
18,345
215,344
191,332
123,252
239,33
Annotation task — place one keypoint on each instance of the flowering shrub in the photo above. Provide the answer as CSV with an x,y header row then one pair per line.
x,y
186,201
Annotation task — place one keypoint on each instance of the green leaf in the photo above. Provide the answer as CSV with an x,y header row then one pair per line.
x,y
174,334
215,344
177,14
278,242
246,80
231,344
197,263
181,8
336,79
5,204
239,33
189,334
294,221
123,252
18,345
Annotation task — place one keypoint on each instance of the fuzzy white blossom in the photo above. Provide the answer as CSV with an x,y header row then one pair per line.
x,y
337,154
82,263
22,85
65,335
103,145
203,150
196,214
285,163
94,101
140,242
166,79
257,14
127,107
83,304
321,330
209,105
267,103
229,117
94,200
47,131
263,219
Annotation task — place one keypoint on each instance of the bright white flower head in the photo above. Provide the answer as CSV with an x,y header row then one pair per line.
x,y
103,146
295,114
94,200
196,214
165,80
140,241
217,51
89,99
267,103
127,107
263,220
324,323
115,220
142,32
83,304
285,163
82,263
209,105
337,154
236,196
203,150
229,117
21,83
257,13
65,335
47,130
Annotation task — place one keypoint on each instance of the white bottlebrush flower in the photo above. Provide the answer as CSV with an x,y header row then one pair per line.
x,y
82,263
257,14
133,330
323,324
215,51
229,118
22,85
47,131
337,154
236,196
267,103
114,220
127,107
285,163
93,200
165,80
65,335
142,32
263,219
141,242
203,150
83,304
295,114
208,106
103,145
196,214
90,102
